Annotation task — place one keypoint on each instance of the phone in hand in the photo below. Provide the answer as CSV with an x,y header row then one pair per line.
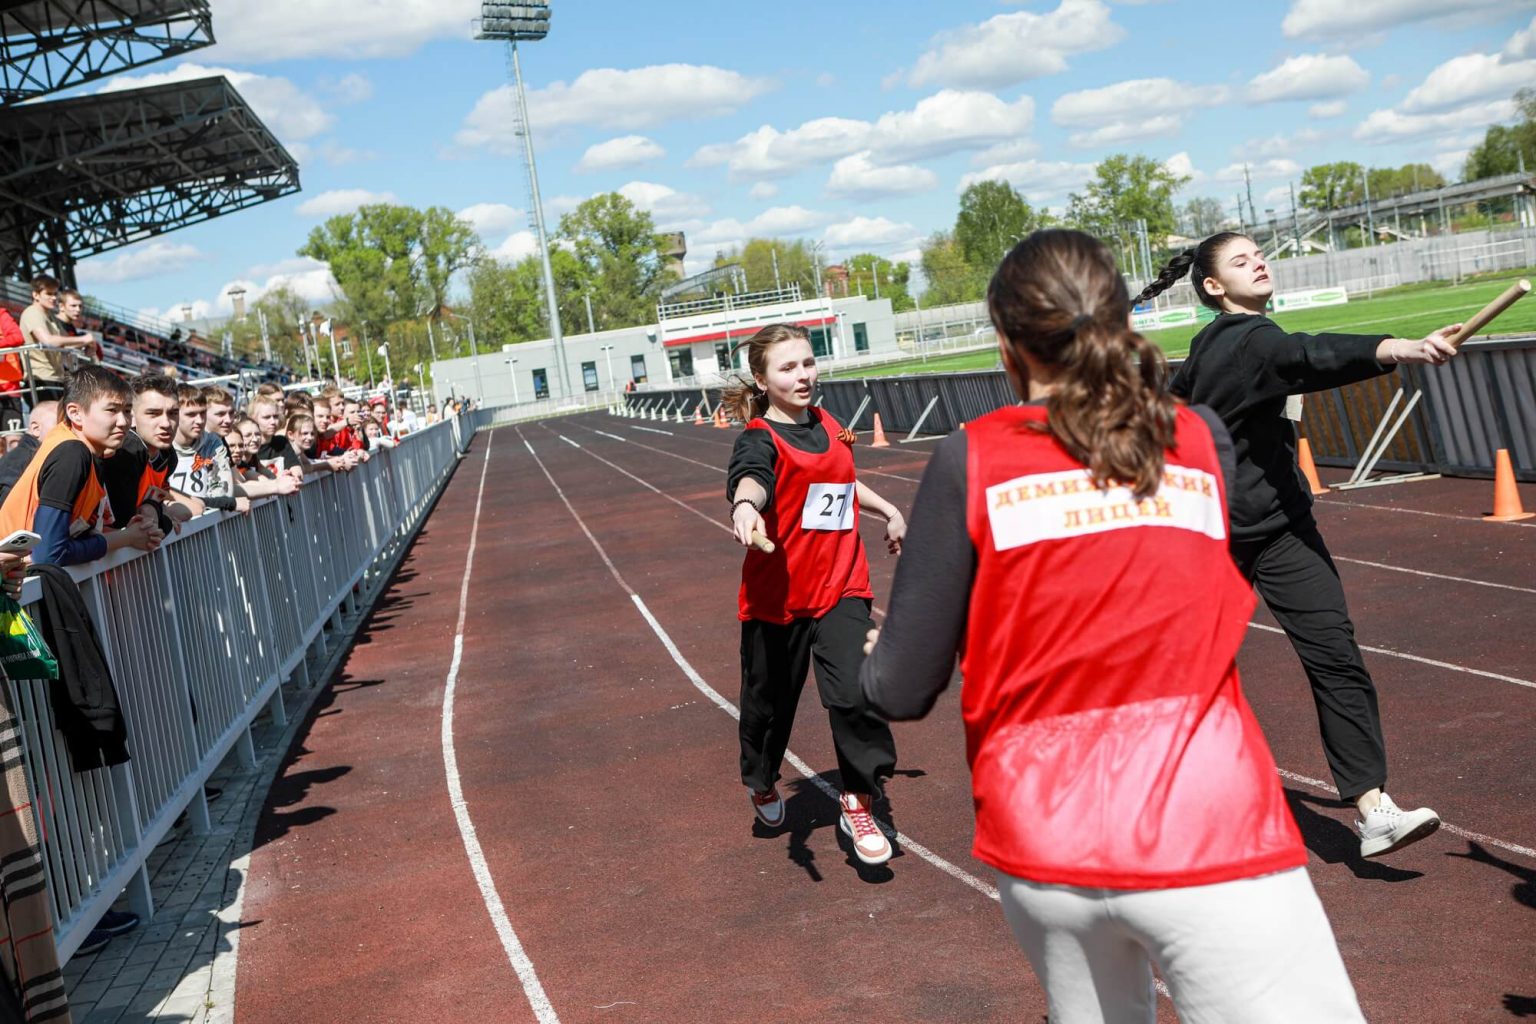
x,y
20,543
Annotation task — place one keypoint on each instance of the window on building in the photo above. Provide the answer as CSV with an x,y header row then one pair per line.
x,y
637,369
589,376
540,384
723,356
682,361
821,342
861,337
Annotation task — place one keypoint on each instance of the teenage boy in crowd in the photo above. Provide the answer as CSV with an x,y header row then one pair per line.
x,y
136,476
60,495
203,478
71,317
221,410
40,326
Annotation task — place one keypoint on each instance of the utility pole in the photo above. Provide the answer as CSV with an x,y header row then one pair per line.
x,y
1295,219
1253,214
1242,223
1370,220
773,252
587,298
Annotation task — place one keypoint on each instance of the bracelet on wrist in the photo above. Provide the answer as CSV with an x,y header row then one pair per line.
x,y
744,501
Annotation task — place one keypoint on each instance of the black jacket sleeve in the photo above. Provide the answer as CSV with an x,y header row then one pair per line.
x,y
1226,451
1278,364
755,456
930,598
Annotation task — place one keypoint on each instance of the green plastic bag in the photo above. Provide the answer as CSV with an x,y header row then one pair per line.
x,y
24,654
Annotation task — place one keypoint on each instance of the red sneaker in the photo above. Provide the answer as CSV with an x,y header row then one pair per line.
x,y
769,807
869,843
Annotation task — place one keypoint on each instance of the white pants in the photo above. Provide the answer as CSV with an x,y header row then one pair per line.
x,y
1255,951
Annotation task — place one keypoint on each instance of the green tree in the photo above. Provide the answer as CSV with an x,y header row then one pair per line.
x,y
863,270
992,218
796,260
1203,216
1505,148
949,277
616,245
373,257
1126,189
445,245
284,309
1331,186
506,300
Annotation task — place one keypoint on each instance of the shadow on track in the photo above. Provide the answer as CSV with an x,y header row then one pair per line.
x,y
806,809
1337,843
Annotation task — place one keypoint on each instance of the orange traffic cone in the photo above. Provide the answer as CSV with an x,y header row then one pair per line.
x,y
1308,467
698,415
1506,499
879,440
720,418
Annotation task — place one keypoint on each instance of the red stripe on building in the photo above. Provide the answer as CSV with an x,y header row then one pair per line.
x,y
742,333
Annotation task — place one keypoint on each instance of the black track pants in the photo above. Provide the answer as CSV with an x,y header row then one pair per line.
x,y
774,663
1295,575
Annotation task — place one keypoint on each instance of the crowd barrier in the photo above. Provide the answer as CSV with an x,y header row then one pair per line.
x,y
1466,410
201,636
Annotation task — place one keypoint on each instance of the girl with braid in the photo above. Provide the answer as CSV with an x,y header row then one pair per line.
x,y
1073,551
1246,368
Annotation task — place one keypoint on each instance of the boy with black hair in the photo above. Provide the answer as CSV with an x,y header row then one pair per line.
x,y
136,476
60,495
70,317
40,326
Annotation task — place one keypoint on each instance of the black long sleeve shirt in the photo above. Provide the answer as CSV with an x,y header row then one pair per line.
x,y
1244,367
931,595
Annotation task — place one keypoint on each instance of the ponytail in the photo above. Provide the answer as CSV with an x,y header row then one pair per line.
x,y
1059,296
1198,262
1175,269
742,400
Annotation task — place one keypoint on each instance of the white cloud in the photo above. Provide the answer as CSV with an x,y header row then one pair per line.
x,y
949,121
1010,48
352,88
1395,126
1450,163
666,204
1181,165
1137,109
493,220
1521,45
342,200
1036,180
272,30
1278,145
868,233
1332,108
775,222
1011,152
763,190
290,112
517,247
147,259
612,98
1310,76
1465,79
307,278
624,151
1340,19
1259,170
856,177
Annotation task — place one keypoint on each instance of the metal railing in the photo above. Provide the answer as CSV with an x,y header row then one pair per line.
x,y
201,635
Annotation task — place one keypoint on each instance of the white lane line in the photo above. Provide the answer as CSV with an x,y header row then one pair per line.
x,y
1477,837
649,486
650,430
1422,661
1435,575
516,955
662,451
568,441
605,433
906,842
1412,511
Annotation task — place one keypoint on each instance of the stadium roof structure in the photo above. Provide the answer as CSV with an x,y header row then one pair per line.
x,y
49,45
85,175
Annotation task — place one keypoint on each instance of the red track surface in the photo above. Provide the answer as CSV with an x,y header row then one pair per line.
x,y
603,785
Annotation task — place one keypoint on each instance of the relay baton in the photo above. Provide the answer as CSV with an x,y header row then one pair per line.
x,y
1512,294
761,542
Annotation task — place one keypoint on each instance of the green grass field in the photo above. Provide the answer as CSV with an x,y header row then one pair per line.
x,y
1409,312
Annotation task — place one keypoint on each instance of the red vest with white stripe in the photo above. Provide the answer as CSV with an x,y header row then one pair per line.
x,y
1109,740
813,521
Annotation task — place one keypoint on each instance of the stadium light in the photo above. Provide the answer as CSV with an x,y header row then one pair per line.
x,y
513,23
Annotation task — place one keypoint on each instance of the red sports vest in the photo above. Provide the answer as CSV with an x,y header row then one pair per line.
x,y
1109,740
813,521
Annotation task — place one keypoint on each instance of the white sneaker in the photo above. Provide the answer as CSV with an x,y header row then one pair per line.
x,y
1388,827
869,843
769,807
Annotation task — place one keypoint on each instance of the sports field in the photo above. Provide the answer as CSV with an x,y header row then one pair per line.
x,y
1410,311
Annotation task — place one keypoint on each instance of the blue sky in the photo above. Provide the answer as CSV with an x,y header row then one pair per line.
x,y
852,124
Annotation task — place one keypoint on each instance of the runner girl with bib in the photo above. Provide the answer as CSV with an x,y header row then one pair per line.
x,y
1073,550
791,478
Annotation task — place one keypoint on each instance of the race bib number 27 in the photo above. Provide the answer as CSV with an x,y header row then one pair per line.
x,y
828,507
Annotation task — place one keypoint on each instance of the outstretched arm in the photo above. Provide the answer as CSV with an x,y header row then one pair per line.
x,y
895,524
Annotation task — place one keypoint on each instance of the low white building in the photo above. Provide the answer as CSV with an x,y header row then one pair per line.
x,y
690,343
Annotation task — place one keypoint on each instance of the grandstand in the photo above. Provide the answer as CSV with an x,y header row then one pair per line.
x,y
88,174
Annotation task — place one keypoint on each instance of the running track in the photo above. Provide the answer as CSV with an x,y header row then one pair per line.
x,y
596,774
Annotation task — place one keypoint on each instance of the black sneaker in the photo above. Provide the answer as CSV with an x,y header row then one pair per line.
x,y
212,793
94,943
117,922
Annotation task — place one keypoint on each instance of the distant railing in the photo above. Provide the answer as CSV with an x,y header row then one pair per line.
x,y
200,635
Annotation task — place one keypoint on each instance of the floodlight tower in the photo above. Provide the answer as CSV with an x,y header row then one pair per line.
x,y
514,23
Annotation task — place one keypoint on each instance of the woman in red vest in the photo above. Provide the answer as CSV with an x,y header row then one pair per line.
x,y
791,479
1073,550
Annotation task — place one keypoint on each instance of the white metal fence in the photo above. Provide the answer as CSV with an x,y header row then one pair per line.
x,y
201,636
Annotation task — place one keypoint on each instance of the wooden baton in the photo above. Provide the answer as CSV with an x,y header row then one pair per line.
x,y
761,542
1511,295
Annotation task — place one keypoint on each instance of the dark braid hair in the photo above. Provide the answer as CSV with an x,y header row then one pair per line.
x,y
1197,261
1059,296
